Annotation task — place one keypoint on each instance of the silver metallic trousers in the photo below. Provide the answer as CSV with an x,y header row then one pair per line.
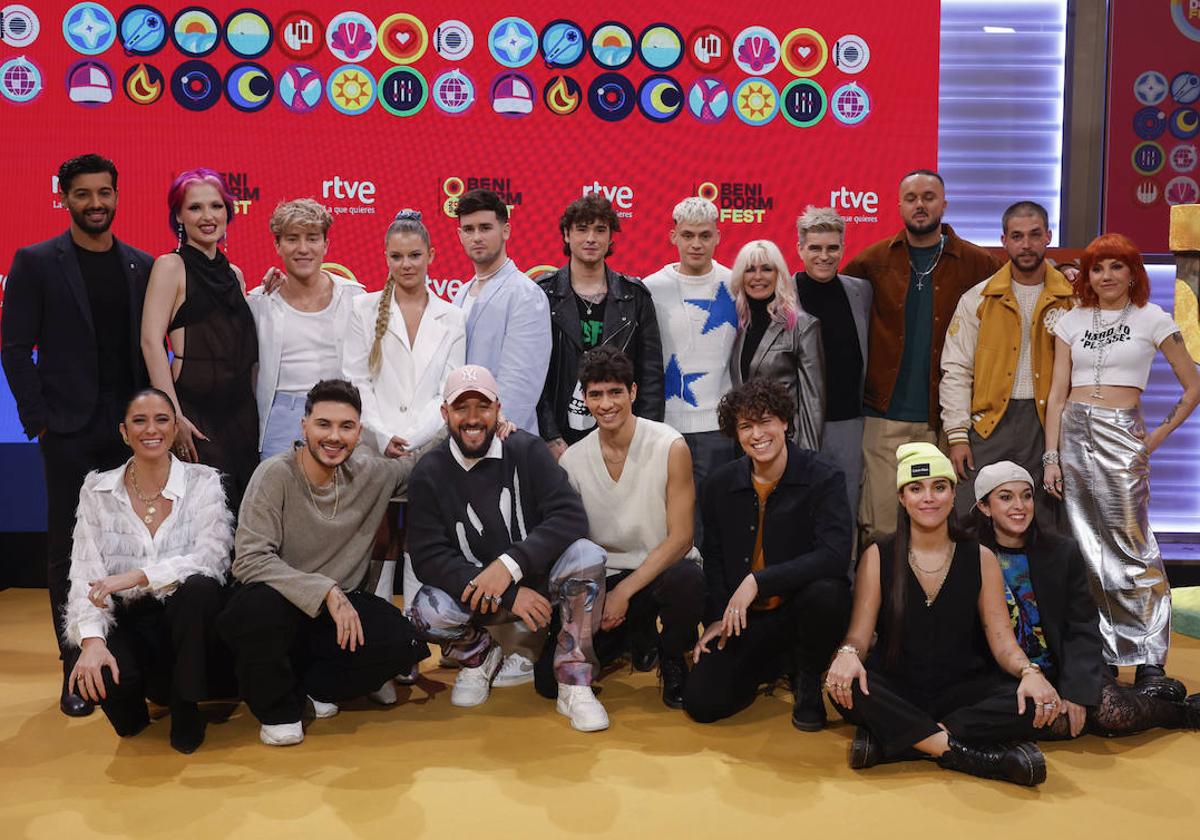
x,y
1106,483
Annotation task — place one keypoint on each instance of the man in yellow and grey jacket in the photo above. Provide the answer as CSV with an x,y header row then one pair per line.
x,y
998,360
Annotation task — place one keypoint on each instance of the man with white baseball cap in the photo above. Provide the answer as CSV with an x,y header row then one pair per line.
x,y
496,534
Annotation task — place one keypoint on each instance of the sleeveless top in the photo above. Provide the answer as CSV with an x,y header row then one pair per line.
x,y
942,644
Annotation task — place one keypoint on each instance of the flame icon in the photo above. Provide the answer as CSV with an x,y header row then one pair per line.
x,y
563,95
144,85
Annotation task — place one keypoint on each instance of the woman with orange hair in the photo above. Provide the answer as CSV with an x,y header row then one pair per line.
x,y
1102,356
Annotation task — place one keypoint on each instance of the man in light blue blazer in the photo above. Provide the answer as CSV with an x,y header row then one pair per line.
x,y
508,316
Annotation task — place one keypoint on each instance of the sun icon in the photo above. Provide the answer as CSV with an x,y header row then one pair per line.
x,y
352,89
756,101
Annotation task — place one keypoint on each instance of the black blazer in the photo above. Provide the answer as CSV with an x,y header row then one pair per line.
x,y
46,307
806,528
1068,613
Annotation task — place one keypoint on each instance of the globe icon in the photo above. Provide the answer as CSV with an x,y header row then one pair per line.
x,y
21,80
851,104
453,92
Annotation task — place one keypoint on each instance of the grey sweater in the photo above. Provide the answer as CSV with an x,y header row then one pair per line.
x,y
284,542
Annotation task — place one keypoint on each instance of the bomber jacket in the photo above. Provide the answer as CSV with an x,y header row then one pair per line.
x,y
629,324
983,345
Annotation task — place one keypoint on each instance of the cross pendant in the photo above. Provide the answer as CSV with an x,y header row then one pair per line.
x,y
920,284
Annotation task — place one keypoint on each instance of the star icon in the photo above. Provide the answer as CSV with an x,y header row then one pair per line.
x,y
89,28
721,309
513,42
676,383
1150,87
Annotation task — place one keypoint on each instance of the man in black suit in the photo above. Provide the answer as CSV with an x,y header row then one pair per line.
x,y
77,300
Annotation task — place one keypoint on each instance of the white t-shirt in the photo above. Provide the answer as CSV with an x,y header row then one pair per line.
x,y
309,352
1130,347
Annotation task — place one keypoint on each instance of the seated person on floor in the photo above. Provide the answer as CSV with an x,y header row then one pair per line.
x,y
477,500
151,550
301,622
945,678
777,531
1055,620
635,477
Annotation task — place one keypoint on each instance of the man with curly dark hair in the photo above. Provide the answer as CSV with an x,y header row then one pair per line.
x,y
777,536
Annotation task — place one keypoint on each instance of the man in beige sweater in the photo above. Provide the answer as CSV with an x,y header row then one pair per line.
x,y
301,623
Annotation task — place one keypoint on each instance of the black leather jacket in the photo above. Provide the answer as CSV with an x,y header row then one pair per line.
x,y
629,324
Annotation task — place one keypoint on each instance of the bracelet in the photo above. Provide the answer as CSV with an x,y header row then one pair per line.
x,y
848,649
1031,668
1050,456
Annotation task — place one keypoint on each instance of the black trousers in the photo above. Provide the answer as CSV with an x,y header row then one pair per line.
x,y
66,461
281,654
978,711
676,596
166,651
801,633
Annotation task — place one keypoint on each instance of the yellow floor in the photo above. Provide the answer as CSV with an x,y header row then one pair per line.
x,y
514,768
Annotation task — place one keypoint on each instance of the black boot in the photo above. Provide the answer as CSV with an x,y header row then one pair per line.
x,y
70,703
1192,711
1020,763
1152,681
187,727
865,751
644,654
808,705
673,673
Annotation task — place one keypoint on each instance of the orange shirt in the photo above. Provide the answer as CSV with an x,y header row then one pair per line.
x,y
756,559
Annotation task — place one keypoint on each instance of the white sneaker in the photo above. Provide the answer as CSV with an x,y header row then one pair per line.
x,y
579,704
473,685
409,677
281,734
385,695
323,710
516,670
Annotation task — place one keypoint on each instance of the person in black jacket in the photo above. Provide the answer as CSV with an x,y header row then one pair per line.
x,y
1054,618
590,305
77,299
496,534
777,531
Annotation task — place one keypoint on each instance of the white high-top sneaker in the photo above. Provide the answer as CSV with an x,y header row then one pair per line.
x,y
517,669
323,710
281,734
579,704
473,685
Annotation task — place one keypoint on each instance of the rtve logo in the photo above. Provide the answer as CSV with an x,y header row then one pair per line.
x,y
844,198
360,191
621,197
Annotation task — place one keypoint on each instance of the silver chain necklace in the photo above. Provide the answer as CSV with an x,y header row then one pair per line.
x,y
1098,326
921,275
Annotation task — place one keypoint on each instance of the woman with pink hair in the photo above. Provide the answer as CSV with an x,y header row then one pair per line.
x,y
196,298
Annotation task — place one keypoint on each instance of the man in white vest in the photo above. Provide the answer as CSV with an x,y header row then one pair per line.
x,y
635,477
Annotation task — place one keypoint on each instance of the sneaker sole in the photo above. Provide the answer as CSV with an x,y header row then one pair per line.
x,y
509,682
468,705
577,727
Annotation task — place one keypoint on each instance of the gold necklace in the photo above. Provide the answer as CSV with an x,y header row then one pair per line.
x,y
942,570
151,508
312,498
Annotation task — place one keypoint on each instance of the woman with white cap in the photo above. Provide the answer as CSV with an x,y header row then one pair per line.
x,y
1055,620
929,687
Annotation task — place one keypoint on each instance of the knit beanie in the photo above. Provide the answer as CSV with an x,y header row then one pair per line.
x,y
917,461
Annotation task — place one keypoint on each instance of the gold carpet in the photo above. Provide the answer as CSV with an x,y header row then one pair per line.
x,y
514,768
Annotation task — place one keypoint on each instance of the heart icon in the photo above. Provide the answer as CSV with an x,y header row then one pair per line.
x,y
403,38
805,52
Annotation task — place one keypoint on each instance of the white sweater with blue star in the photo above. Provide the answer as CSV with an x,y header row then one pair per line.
x,y
698,322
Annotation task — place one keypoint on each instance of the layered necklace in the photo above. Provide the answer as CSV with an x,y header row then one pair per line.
x,y
1098,327
313,498
148,502
936,577
922,275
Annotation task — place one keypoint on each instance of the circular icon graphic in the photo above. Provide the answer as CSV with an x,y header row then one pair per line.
x,y
1184,123
248,33
403,38
709,48
611,96
249,87
142,29
1150,88
1183,14
804,52
89,28
803,103
19,26
756,101
196,85
351,89
612,47
563,44
513,42
143,84
90,83
453,92
195,32
20,80
512,94
1185,88
851,54
300,88
300,36
562,95
1181,190
660,98
1149,123
1183,158
1147,158
756,50
402,91
850,104
661,46
452,40
1146,192
351,37
708,100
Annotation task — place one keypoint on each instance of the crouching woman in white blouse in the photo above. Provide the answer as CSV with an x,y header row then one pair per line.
x,y
151,551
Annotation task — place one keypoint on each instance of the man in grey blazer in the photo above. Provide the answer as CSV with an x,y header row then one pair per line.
x,y
843,308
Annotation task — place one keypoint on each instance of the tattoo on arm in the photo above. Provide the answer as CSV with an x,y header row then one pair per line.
x,y
1178,338
1171,414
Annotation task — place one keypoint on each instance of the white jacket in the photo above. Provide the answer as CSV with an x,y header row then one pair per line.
x,y
405,399
196,538
268,312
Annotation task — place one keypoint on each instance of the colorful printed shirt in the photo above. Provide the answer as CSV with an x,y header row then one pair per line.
x,y
1023,607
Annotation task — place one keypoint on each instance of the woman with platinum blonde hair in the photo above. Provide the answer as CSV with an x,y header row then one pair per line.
x,y
776,338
